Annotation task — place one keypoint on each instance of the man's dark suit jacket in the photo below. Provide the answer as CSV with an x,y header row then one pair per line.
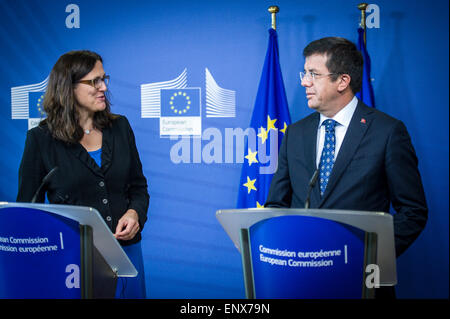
x,y
376,166
112,189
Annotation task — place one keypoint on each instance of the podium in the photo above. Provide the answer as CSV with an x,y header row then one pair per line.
x,y
312,253
58,251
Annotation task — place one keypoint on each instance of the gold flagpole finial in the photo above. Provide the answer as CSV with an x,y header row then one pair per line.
x,y
273,10
362,7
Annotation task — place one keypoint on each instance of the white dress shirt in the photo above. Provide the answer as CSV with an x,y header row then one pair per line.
x,y
343,117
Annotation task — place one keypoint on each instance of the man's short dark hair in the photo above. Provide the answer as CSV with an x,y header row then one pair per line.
x,y
343,58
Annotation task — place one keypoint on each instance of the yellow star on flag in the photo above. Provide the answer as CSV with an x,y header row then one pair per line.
x,y
251,156
263,134
250,184
271,124
258,205
284,128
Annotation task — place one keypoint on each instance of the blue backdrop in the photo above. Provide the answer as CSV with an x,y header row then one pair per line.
x,y
219,47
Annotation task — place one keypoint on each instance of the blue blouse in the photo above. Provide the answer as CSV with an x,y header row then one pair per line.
x,y
97,156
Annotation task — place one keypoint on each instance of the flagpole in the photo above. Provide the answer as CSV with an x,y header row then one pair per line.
x,y
270,119
273,10
362,7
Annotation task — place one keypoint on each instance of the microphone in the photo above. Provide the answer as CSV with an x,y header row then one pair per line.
x,y
312,183
44,182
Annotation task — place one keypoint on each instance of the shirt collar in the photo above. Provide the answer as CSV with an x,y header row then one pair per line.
x,y
344,116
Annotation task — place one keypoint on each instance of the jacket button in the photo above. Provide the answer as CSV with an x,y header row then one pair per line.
x,y
101,184
108,218
105,201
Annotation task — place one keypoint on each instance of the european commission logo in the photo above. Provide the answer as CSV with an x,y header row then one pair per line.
x,y
179,107
183,102
27,102
180,112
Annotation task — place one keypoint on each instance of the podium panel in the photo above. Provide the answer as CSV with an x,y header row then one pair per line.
x,y
58,251
280,248
29,253
306,257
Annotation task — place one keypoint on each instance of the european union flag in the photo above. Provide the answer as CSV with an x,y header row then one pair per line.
x,y
269,121
366,93
36,104
180,102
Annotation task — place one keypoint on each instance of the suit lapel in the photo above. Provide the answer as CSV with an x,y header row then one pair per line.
x,y
107,149
80,152
310,142
310,150
357,129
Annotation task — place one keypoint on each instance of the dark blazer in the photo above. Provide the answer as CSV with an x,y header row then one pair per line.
x,y
116,186
376,166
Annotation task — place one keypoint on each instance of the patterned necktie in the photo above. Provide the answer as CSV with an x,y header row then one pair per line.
x,y
327,158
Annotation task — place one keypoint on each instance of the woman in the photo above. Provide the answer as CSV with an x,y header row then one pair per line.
x,y
95,152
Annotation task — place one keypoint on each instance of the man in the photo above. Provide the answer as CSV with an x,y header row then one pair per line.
x,y
365,157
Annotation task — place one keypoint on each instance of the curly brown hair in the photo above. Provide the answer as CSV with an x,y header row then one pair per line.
x,y
59,101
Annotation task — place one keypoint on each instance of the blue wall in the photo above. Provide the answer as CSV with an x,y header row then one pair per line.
x,y
187,253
